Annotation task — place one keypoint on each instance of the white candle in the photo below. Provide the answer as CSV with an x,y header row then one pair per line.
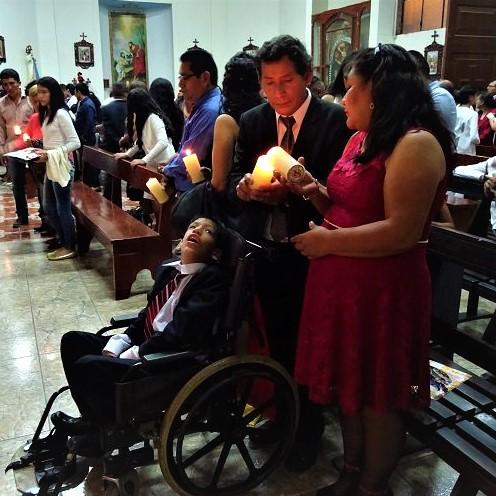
x,y
192,165
157,190
285,164
26,137
262,173
17,130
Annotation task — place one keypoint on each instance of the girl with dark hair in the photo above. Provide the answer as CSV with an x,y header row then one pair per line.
x,y
162,92
59,141
145,123
337,89
241,92
487,119
364,330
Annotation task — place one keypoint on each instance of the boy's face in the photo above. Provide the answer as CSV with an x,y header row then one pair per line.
x,y
198,244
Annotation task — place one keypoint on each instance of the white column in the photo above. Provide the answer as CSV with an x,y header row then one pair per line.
x,y
382,21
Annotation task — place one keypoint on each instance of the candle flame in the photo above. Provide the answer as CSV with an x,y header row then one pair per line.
x,y
17,129
187,151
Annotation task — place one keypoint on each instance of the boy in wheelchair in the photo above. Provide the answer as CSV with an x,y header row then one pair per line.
x,y
188,296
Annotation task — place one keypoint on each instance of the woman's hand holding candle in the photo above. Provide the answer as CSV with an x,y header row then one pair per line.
x,y
289,168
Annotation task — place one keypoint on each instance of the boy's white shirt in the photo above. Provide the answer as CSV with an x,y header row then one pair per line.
x,y
120,344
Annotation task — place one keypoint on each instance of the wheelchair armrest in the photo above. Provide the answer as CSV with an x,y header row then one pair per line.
x,y
123,320
166,358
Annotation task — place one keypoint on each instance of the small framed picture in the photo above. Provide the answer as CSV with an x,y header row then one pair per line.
x,y
434,56
3,57
83,54
433,61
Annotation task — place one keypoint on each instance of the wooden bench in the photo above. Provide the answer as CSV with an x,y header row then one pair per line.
x,y
488,151
461,427
133,245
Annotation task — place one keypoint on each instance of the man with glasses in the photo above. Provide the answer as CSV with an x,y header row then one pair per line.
x,y
198,84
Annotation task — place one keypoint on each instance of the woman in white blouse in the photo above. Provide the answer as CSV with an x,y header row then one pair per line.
x,y
59,141
145,124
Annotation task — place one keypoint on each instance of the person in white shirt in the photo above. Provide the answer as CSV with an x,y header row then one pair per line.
x,y
467,128
145,123
59,141
484,172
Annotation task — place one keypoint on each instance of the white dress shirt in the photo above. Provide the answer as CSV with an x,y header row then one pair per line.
x,y
299,115
466,130
120,344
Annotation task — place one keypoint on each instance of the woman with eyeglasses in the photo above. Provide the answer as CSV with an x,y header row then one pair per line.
x,y
364,331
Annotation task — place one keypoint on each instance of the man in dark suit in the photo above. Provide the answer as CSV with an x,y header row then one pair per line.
x,y
182,308
316,131
113,127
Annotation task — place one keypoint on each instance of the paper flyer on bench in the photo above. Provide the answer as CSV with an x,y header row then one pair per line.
x,y
444,379
26,154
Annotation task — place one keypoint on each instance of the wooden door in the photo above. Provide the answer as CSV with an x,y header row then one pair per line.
x,y
470,47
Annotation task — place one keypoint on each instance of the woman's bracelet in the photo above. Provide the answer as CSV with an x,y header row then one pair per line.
x,y
309,197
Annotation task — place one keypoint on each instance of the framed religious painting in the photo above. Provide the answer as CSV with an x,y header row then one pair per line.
x,y
128,47
83,53
434,56
3,57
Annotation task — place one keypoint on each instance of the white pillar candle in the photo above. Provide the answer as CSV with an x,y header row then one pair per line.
x,y
157,190
26,137
17,130
262,173
285,164
192,165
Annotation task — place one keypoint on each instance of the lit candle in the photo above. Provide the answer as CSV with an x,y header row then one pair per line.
x,y
157,190
26,137
262,173
192,165
17,130
285,164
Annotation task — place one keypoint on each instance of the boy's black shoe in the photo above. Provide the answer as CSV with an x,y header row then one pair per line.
x,y
71,425
87,445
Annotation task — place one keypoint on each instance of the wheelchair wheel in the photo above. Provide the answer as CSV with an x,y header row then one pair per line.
x,y
204,439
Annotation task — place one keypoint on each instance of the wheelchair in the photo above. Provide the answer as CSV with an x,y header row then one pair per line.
x,y
198,410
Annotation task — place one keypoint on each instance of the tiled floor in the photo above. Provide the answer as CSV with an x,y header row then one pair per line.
x,y
40,300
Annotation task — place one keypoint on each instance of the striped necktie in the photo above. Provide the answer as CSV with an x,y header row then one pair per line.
x,y
159,301
287,141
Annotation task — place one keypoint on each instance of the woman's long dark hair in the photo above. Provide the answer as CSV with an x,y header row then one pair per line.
x,y
140,105
401,98
162,92
56,99
241,86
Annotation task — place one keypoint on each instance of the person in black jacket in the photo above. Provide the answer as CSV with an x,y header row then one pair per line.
x,y
309,128
183,306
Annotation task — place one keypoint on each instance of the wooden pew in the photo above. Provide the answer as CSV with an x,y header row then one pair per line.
x,y
461,427
133,245
487,151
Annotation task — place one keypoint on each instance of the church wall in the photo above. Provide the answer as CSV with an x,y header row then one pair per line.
x,y
18,35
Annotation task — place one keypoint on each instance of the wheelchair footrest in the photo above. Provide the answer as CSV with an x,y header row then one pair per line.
x,y
46,479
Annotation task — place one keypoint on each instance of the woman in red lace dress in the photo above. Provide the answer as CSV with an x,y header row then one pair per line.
x,y
364,333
